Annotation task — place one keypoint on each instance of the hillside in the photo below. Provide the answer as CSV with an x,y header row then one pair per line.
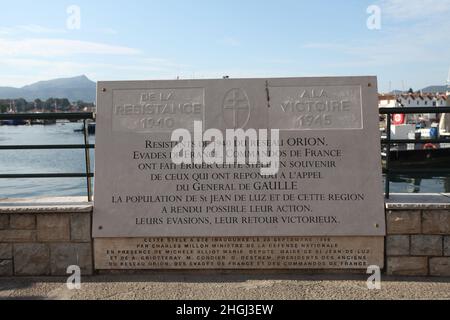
x,y
74,89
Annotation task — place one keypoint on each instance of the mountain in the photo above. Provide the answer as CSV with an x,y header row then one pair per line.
x,y
81,88
429,89
76,88
434,89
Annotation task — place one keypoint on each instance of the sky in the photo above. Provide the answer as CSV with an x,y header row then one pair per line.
x,y
407,44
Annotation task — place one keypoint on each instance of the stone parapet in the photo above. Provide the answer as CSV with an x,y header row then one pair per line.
x,y
418,239
44,239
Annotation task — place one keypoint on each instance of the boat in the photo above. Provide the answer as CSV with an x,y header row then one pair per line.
x,y
37,122
49,122
418,155
418,158
14,122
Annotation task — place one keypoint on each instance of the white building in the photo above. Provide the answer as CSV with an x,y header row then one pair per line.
x,y
409,100
387,101
422,100
418,100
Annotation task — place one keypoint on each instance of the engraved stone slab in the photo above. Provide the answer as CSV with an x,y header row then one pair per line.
x,y
329,182
157,110
316,108
239,253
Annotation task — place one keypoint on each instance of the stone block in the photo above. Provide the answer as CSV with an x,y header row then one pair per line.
x,y
407,266
22,221
17,235
426,245
6,268
31,259
440,267
436,222
4,221
447,246
397,245
63,255
403,222
80,227
5,251
53,227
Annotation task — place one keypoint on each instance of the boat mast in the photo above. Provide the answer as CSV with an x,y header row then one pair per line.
x,y
448,88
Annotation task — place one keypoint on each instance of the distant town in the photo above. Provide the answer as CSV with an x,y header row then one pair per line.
x,y
50,105
59,95
77,94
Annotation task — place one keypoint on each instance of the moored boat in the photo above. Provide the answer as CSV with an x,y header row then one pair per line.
x,y
14,122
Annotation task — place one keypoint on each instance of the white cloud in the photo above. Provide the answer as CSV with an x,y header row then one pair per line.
x,y
6,31
37,29
418,43
16,71
59,47
29,28
144,65
414,9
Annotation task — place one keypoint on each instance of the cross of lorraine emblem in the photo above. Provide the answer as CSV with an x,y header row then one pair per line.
x,y
236,109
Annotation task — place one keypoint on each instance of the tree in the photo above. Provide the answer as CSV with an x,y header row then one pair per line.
x,y
410,90
38,103
64,103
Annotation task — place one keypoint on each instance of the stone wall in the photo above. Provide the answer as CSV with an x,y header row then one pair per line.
x,y
44,244
418,240
44,241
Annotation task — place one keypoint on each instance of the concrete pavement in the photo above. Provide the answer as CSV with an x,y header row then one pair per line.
x,y
224,286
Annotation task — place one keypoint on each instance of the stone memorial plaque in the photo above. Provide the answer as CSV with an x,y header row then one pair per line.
x,y
328,185
329,181
239,253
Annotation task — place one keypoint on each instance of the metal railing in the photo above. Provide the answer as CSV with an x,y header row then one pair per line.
x,y
388,142
85,116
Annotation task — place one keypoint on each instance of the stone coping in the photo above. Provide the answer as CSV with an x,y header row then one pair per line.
x,y
436,201
80,204
46,205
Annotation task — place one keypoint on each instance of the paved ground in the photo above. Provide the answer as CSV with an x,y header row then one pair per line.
x,y
225,286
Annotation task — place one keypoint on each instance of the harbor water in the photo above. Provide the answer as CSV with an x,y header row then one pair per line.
x,y
73,161
43,161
